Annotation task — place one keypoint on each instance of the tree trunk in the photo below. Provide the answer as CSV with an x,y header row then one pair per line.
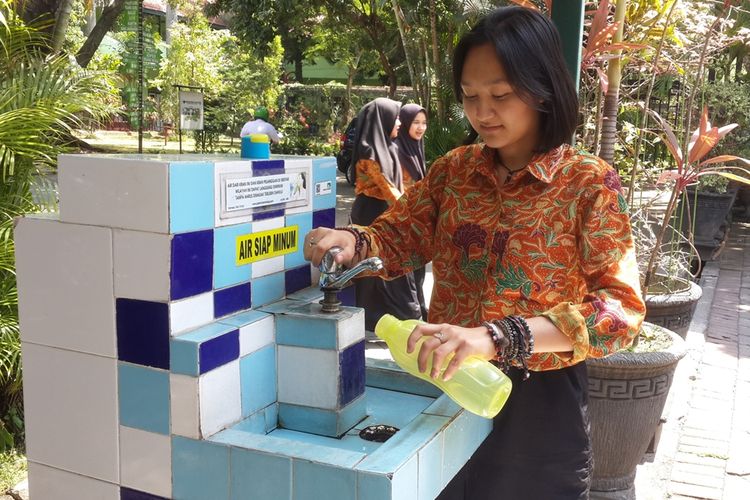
x,y
392,81
298,66
35,11
171,18
415,84
61,25
348,94
103,25
436,62
612,98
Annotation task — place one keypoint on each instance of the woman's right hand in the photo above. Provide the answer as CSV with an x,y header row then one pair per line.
x,y
318,241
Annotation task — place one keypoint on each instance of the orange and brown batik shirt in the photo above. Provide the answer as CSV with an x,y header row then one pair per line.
x,y
371,182
553,241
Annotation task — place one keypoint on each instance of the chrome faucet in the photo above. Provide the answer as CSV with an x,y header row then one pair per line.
x,y
334,277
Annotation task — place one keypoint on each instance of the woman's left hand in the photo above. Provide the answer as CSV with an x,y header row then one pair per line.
x,y
444,340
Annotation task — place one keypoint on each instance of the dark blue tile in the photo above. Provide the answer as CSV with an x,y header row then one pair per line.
x,y
192,263
352,364
143,332
268,167
128,494
219,351
297,279
232,299
269,214
348,296
324,218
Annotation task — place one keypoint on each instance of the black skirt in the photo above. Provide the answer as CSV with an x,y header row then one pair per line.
x,y
539,448
377,296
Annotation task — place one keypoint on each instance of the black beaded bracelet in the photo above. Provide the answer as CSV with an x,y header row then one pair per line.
x,y
361,238
519,342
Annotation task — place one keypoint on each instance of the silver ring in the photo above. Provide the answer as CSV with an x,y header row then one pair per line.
x,y
312,242
440,336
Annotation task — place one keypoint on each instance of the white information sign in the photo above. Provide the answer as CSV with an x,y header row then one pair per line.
x,y
245,192
191,110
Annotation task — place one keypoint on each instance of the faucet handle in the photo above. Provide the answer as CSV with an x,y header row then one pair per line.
x,y
329,268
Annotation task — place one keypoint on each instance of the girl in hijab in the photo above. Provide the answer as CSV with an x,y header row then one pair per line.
x,y
378,184
410,145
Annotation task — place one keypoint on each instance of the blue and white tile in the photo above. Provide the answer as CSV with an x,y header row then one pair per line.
x,y
257,330
313,481
324,218
142,262
220,402
226,270
143,398
297,279
272,417
114,192
352,376
143,332
184,406
191,313
324,183
65,285
191,265
311,294
258,379
146,461
462,437
49,482
303,166
191,196
303,325
308,377
274,264
430,480
259,475
268,289
71,413
200,469
231,300
228,168
303,221
204,349
401,485
131,494
330,422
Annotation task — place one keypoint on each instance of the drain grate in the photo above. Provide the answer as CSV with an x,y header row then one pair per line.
x,y
378,433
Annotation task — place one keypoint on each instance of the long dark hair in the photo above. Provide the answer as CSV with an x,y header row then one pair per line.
x,y
528,46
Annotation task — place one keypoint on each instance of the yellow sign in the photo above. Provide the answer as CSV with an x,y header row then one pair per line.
x,y
266,244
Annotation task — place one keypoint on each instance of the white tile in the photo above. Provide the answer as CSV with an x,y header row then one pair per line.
x,y
229,167
273,265
70,403
308,377
146,461
191,313
142,265
304,165
220,400
51,483
257,335
115,192
65,285
351,330
183,405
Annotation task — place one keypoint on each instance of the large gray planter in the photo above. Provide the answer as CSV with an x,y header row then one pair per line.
x,y
674,311
627,393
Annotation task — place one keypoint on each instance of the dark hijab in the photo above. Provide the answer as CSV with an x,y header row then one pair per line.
x,y
410,151
372,141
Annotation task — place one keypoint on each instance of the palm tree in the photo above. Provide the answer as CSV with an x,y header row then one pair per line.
x,y
42,99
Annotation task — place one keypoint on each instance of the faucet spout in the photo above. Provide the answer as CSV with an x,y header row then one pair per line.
x,y
334,277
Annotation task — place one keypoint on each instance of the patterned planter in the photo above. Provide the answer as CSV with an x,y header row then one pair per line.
x,y
674,311
627,393
711,211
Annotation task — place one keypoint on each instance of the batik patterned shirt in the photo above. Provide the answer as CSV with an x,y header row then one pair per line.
x,y
371,182
553,241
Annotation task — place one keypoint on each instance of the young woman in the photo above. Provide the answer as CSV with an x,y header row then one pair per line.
x,y
410,145
378,184
532,256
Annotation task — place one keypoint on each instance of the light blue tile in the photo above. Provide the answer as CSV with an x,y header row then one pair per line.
x,y
403,445
259,475
314,481
200,470
184,350
394,408
462,437
349,441
443,406
430,479
304,223
258,379
402,485
272,417
143,398
312,294
324,171
244,318
267,289
324,422
226,271
289,448
386,374
191,196
306,331
255,423
280,307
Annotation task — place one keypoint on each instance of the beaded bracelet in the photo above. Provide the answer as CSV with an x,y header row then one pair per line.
x,y
499,341
519,343
361,238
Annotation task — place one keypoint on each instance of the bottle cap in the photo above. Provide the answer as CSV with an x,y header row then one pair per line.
x,y
263,138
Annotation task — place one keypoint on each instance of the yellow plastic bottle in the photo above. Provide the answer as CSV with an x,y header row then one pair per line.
x,y
478,385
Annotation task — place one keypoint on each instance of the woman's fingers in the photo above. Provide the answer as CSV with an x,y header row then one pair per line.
x,y
318,241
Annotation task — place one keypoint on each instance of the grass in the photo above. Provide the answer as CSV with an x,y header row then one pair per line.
x,y
110,141
12,469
